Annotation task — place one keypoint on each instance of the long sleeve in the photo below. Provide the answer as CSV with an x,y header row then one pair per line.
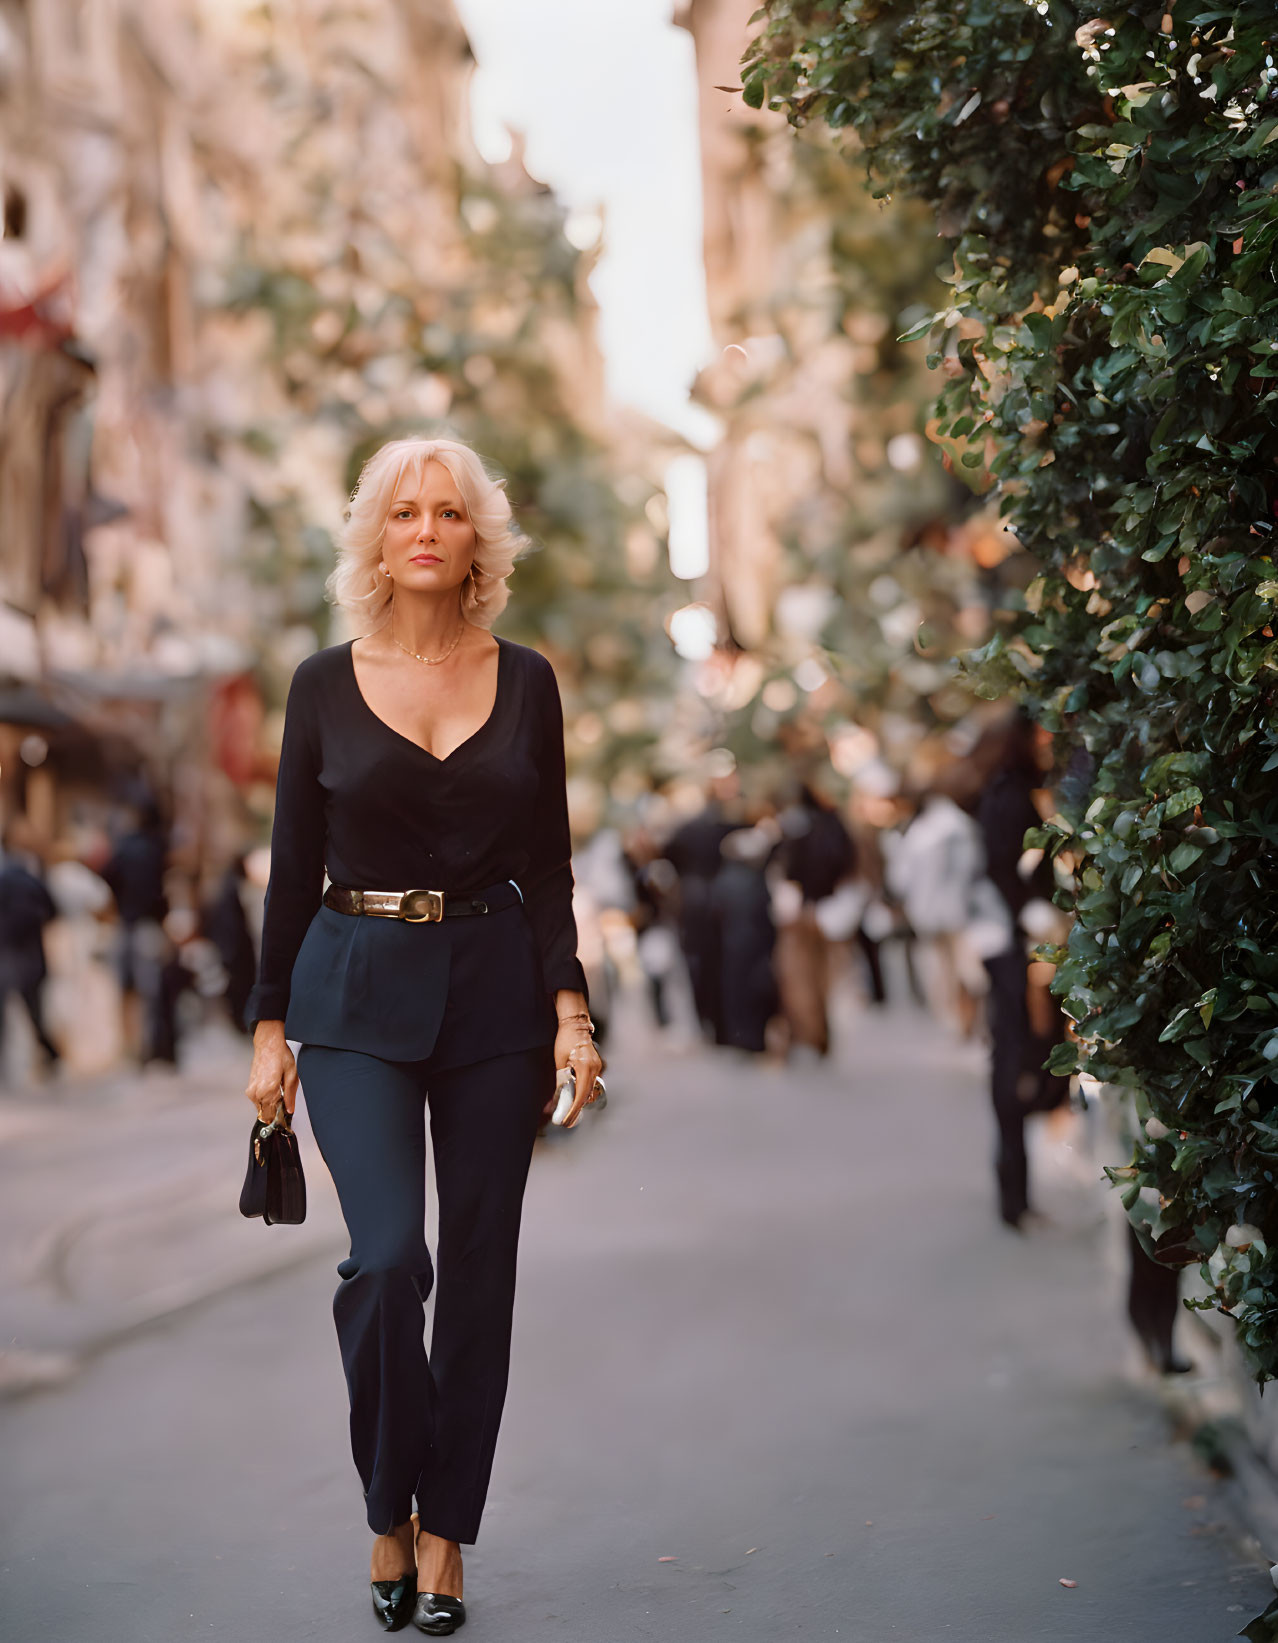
x,y
548,881
297,857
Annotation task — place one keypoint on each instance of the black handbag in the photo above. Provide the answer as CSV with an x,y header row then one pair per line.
x,y
274,1186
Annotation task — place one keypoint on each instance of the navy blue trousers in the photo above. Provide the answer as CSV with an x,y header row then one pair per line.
x,y
426,1426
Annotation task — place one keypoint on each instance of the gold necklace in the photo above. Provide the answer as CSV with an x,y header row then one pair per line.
x,y
430,661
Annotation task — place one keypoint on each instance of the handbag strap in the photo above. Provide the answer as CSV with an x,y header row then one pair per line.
x,y
281,1121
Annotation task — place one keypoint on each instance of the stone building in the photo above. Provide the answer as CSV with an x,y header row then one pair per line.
x,y
243,244
838,537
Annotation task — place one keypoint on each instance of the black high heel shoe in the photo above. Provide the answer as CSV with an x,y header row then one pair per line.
x,y
393,1601
438,1614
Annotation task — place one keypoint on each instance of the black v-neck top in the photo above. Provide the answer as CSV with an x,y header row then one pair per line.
x,y
378,811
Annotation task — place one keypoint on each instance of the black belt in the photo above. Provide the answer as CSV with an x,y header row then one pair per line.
x,y
422,906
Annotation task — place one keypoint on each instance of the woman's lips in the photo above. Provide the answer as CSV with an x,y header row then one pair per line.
x,y
427,559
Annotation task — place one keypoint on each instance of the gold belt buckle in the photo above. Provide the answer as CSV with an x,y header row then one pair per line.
x,y
434,906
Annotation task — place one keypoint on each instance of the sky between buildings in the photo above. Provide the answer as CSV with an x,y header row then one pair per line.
x,y
605,93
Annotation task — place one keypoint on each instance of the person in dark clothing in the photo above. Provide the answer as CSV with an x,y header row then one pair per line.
x,y
1019,1084
422,769
1153,1305
871,952
741,906
693,851
135,871
226,925
878,922
135,874
816,850
26,907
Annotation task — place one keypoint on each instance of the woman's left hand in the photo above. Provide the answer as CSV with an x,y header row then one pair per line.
x,y
575,1048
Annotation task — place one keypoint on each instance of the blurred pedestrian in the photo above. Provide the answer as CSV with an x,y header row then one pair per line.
x,y
178,971
225,923
816,855
1025,1019
438,971
135,874
26,907
1153,1306
656,944
603,888
693,851
82,996
741,908
936,870
878,922
872,817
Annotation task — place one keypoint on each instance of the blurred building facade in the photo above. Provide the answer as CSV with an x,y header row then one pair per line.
x,y
242,245
848,565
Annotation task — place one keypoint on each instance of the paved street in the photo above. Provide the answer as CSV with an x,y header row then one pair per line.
x,y
113,1206
778,1373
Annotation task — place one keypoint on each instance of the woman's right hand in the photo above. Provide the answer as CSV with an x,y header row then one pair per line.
x,y
274,1071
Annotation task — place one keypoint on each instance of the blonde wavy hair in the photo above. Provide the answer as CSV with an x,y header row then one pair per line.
x,y
355,583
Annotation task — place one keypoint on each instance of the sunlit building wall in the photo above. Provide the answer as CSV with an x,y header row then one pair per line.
x,y
241,245
840,564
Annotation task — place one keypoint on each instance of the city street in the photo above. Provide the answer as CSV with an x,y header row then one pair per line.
x,y
776,503
778,1373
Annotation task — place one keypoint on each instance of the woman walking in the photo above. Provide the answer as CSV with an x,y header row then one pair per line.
x,y
422,766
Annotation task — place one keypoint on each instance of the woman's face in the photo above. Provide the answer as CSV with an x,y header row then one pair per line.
x,y
429,541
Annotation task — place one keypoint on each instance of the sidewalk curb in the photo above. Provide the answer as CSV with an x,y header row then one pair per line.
x,y
1209,1409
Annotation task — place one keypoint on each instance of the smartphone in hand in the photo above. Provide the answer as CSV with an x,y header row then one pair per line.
x,y
566,1092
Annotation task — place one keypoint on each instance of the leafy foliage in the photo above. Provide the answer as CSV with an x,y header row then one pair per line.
x,y
1110,177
